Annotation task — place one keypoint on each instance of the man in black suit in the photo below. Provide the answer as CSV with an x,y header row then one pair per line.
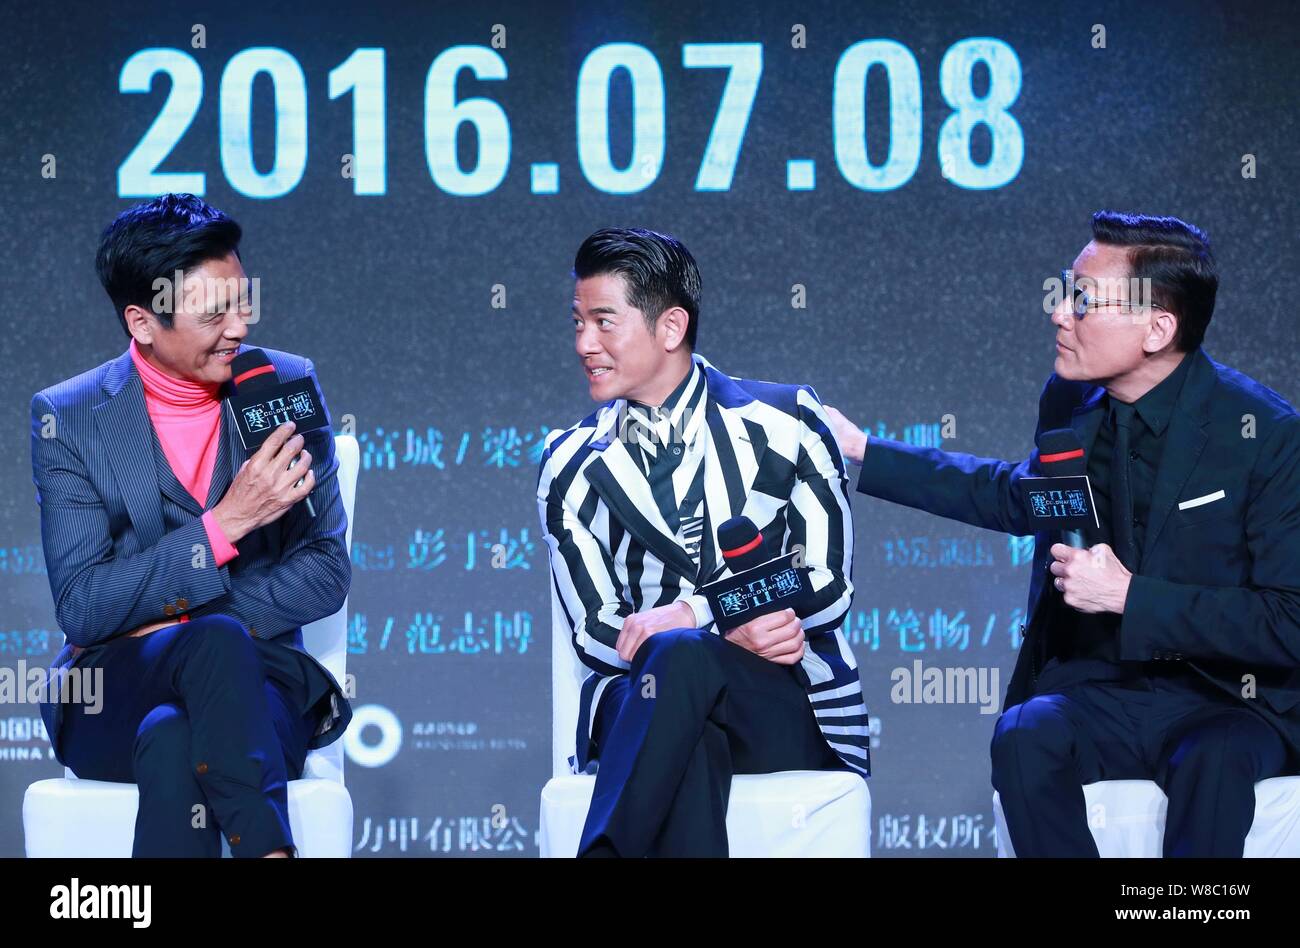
x,y
1170,650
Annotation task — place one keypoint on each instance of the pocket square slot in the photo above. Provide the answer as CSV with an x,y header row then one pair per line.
x,y
1202,501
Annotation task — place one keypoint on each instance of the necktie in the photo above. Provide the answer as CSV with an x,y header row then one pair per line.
x,y
640,429
1121,490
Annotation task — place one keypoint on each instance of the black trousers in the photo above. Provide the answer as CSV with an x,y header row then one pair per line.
x,y
693,710
189,715
1205,750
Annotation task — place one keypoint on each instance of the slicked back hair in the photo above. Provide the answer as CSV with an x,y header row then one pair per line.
x,y
659,271
1176,257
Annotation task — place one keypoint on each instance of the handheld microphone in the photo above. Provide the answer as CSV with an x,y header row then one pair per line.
x,y
262,403
742,544
759,583
1061,454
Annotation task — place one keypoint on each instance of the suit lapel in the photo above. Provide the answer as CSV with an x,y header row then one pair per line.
x,y
621,484
136,458
1086,419
168,483
229,457
1184,441
126,435
731,463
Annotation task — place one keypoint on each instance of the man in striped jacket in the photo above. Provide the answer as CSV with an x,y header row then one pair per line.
x,y
630,500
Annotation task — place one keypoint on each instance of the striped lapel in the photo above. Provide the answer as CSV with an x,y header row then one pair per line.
x,y
614,475
168,483
731,462
125,433
230,456
134,452
731,459
223,464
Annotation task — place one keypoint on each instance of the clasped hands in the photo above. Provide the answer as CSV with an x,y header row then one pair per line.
x,y
777,636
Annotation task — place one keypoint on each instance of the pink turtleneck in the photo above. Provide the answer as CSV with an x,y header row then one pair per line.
x,y
187,417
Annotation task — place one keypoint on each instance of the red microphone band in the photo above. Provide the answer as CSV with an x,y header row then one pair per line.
x,y
742,550
1063,456
260,370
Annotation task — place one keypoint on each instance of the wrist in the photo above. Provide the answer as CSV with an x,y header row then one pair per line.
x,y
858,449
688,614
231,526
1122,594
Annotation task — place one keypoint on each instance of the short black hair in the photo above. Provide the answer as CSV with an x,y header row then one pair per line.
x,y
1176,257
660,272
155,239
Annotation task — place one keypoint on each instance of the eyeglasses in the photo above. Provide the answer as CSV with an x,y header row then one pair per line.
x,y
1083,302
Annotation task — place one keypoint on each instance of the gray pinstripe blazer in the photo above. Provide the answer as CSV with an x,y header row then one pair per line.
x,y
125,544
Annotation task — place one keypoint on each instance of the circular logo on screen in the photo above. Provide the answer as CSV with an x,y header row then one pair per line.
x,y
375,736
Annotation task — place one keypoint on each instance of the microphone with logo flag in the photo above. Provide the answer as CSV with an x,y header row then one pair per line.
x,y
759,583
1061,500
262,403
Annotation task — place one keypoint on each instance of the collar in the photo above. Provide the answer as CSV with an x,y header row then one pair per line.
x,y
720,390
179,394
1156,407
679,412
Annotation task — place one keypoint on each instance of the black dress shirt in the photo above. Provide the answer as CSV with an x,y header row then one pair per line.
x,y
1089,643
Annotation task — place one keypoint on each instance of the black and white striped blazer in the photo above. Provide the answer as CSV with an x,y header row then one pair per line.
x,y
771,457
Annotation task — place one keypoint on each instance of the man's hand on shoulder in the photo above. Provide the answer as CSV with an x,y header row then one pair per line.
x,y
777,636
852,439
639,627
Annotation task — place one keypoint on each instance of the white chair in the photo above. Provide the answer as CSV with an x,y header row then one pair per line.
x,y
793,813
1127,819
68,817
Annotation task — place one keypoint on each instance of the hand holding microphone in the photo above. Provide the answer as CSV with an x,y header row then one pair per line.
x,y
266,486
1090,579
776,636
1061,454
262,399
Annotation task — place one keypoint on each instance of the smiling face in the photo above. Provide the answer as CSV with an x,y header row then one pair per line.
x,y
1112,341
621,356
209,321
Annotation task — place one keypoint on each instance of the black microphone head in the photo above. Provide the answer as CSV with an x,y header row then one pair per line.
x,y
251,370
1060,453
741,543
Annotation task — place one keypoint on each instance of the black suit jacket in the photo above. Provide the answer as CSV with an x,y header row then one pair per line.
x,y
1219,586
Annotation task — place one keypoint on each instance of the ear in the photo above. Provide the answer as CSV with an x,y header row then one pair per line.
x,y
1161,331
672,328
141,324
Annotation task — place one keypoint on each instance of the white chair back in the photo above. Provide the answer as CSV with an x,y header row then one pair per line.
x,y
567,674
327,638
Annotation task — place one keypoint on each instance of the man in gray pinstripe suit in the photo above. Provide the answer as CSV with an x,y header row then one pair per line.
x,y
182,571
630,500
